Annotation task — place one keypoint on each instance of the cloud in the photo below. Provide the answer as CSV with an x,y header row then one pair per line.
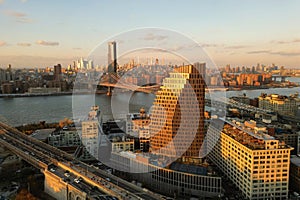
x,y
24,20
296,40
23,1
77,48
177,48
208,45
14,13
2,43
151,36
24,44
285,41
1,1
280,53
47,43
236,47
18,16
258,52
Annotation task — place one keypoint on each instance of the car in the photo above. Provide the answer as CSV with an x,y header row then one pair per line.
x,y
66,174
52,169
108,179
78,180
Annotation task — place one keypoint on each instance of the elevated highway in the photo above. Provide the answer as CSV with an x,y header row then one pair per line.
x,y
94,181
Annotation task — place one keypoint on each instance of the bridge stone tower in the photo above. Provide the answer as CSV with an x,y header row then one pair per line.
x,y
112,57
112,64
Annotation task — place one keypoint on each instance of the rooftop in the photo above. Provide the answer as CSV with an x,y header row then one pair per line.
x,y
42,134
248,138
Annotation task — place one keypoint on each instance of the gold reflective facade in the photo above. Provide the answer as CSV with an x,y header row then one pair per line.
x,y
182,93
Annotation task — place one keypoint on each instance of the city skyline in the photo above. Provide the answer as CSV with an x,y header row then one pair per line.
x,y
41,34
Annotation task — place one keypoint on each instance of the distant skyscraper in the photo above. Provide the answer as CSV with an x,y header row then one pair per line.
x,y
182,92
57,72
112,56
90,64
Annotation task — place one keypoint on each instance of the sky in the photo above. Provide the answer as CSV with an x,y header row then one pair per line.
x,y
38,33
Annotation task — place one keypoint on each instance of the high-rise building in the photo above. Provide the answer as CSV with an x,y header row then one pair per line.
x,y
91,132
57,72
112,56
257,163
178,112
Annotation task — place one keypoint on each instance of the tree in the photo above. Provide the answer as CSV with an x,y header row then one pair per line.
x,y
65,122
25,195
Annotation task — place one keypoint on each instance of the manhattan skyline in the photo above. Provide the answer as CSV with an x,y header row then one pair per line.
x,y
41,34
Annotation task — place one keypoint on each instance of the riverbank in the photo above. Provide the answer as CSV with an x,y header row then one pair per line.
x,y
210,89
34,94
259,88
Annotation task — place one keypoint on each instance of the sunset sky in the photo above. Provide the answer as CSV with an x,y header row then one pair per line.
x,y
37,33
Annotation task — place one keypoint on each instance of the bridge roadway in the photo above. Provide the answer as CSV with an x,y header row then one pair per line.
x,y
222,103
42,156
145,89
219,103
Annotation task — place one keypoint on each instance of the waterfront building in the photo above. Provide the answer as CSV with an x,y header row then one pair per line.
x,y
57,72
284,105
178,104
253,79
35,90
64,139
257,163
7,88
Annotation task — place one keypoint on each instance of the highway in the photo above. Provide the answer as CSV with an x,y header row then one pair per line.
x,y
226,102
43,155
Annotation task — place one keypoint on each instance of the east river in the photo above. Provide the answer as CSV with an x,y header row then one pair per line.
x,y
24,110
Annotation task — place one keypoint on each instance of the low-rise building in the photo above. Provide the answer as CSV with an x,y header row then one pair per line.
x,y
284,105
43,90
127,145
137,125
64,138
177,180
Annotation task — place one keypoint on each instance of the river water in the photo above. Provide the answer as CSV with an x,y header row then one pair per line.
x,y
24,110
